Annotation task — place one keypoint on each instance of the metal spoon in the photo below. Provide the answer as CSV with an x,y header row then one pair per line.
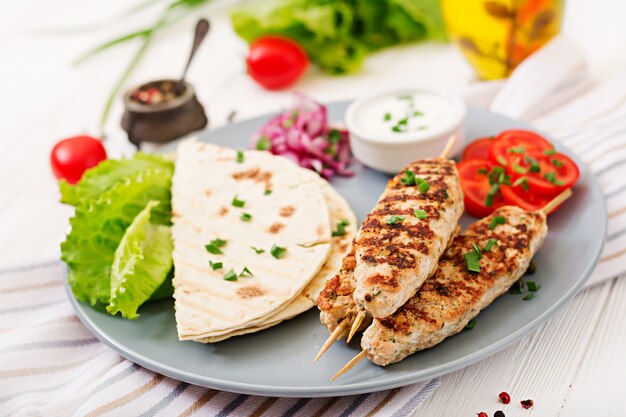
x,y
202,28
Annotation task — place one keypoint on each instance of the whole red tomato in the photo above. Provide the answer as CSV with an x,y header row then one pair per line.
x,y
276,62
71,157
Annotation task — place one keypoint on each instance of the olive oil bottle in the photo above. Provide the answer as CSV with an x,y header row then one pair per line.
x,y
496,35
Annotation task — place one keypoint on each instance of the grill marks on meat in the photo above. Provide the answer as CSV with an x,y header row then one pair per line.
x,y
335,300
448,300
393,260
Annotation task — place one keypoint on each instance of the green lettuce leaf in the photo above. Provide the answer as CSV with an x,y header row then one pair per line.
x,y
105,175
141,264
99,225
337,35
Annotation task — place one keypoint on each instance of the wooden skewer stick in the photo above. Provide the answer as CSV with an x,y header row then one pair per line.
x,y
355,325
448,147
557,201
331,339
350,364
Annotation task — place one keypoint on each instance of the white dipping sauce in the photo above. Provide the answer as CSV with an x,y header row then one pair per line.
x,y
405,115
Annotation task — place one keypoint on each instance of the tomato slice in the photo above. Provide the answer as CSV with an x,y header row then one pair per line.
x,y
524,198
475,184
478,149
512,143
547,175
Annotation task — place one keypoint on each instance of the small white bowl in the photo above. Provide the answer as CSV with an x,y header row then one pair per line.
x,y
375,143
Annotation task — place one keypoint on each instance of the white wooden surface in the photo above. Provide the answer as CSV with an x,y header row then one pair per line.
x,y
573,366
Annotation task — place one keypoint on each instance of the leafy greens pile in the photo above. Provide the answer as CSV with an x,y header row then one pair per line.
x,y
119,251
338,34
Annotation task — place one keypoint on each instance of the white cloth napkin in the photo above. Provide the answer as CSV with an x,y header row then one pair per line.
x,y
50,365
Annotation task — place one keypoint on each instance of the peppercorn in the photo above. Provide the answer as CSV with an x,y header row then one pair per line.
x,y
499,413
527,403
504,397
482,414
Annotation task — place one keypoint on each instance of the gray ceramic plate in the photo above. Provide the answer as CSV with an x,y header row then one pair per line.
x,y
277,362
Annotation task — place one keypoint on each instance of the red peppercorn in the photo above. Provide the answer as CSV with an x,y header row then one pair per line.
x,y
499,413
482,414
527,403
504,397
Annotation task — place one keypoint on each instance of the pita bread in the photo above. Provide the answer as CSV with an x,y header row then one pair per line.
x,y
339,211
295,216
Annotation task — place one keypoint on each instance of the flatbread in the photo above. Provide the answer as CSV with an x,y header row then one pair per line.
x,y
295,216
339,211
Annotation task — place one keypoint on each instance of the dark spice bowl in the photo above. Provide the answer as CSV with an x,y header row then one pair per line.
x,y
174,113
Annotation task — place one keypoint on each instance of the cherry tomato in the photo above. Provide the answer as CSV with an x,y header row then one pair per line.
x,y
512,143
479,149
547,175
71,157
276,62
524,198
473,174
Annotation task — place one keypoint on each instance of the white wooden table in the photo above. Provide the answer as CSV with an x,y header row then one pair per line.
x,y
573,366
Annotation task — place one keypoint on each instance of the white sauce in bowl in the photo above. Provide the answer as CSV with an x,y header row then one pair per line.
x,y
409,115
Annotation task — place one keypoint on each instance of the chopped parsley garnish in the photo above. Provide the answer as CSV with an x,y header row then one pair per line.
x,y
489,245
549,152
231,275
409,178
501,160
523,182
529,296
483,171
557,163
246,217
519,169
534,167
409,98
444,192
417,113
496,221
517,287
263,144
532,286
491,194
477,251
551,177
387,117
267,192
237,202
215,265
518,150
395,219
341,228
289,122
240,157
472,261
245,272
277,251
420,214
257,250
334,135
470,324
214,246
397,129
